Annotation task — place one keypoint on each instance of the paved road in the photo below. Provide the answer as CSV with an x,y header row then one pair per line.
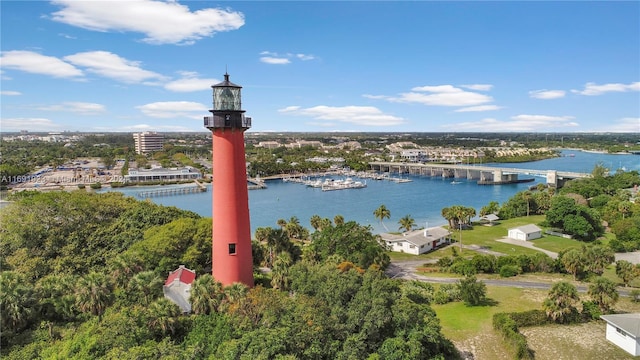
x,y
407,270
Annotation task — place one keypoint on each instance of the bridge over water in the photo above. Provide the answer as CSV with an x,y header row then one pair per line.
x,y
484,174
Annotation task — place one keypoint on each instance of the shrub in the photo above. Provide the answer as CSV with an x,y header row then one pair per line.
x,y
503,323
590,310
530,318
635,295
81,186
509,270
96,185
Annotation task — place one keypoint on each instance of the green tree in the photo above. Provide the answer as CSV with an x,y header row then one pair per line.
x,y
382,213
472,291
163,317
17,301
206,295
352,242
492,208
280,277
603,292
145,287
626,271
560,302
338,220
573,262
93,294
407,223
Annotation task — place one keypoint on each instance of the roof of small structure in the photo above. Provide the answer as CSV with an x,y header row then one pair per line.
x,y
527,229
182,274
630,323
490,217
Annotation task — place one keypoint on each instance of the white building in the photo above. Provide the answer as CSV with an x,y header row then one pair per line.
x,y
525,232
417,242
147,141
177,287
162,174
624,331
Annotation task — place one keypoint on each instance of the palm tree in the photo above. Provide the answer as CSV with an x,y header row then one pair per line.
x,y
316,222
282,223
93,294
338,220
280,271
449,215
382,213
526,196
163,316
560,301
206,295
234,294
146,285
17,300
603,292
407,223
123,267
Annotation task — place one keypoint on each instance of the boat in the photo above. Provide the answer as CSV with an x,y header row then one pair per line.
x,y
348,183
456,182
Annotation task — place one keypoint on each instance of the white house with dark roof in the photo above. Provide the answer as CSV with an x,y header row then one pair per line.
x,y
177,287
417,242
525,232
624,331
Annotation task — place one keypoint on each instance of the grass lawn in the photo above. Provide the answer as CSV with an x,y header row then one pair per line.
x,y
470,328
556,243
486,236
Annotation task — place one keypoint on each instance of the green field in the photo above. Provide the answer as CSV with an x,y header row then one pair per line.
x,y
470,328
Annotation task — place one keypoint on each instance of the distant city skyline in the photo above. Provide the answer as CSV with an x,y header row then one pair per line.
x,y
135,66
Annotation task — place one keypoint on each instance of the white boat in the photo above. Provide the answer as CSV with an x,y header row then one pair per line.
x,y
456,182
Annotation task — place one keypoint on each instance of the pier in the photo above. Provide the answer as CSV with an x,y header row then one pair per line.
x,y
484,174
173,191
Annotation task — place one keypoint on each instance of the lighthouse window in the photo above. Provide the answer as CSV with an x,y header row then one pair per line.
x,y
232,249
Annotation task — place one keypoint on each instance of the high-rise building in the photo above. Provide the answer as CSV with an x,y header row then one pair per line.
x,y
231,242
147,142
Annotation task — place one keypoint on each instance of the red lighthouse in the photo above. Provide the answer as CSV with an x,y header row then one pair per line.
x,y
232,259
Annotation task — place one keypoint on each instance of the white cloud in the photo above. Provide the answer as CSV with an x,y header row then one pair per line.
x,y
628,124
358,115
591,89
112,66
32,62
156,127
10,93
442,95
162,22
76,107
190,82
305,57
479,87
174,109
547,94
274,60
479,108
517,123
375,97
31,124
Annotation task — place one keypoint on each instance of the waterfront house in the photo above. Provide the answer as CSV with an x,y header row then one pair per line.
x,y
177,287
417,242
624,331
525,232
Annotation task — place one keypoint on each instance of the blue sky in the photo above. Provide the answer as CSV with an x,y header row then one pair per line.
x,y
322,66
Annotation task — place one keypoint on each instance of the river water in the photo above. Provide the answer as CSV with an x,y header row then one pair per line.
x,y
422,199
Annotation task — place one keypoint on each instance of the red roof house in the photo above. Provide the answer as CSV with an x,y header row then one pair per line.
x,y
177,287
